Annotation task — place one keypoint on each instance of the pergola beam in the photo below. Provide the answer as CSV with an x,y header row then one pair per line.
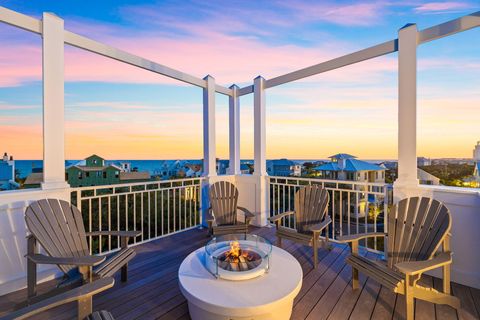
x,y
245,90
355,57
450,27
436,32
34,25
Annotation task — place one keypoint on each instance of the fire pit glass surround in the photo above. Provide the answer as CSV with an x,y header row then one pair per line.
x,y
238,256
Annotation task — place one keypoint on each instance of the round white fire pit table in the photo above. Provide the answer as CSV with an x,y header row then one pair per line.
x,y
269,296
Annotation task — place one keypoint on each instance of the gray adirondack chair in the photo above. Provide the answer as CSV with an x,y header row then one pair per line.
x,y
417,227
222,214
311,218
58,227
82,295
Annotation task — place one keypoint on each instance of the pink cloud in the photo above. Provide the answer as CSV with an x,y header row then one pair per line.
x,y
11,107
359,14
20,63
228,58
438,7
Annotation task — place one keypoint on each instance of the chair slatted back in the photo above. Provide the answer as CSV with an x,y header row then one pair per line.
x,y
223,199
311,205
58,227
416,229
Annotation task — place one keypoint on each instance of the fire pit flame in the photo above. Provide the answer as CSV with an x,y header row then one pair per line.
x,y
234,252
238,259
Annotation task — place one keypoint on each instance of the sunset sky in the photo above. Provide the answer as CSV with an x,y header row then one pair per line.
x,y
121,112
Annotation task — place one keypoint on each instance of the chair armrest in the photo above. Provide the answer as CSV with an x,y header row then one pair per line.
x,y
129,234
84,291
73,261
246,212
356,237
280,216
416,267
320,226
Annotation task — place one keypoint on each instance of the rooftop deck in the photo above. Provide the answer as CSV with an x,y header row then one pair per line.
x,y
152,291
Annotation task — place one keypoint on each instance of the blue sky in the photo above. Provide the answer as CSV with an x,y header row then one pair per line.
x,y
121,112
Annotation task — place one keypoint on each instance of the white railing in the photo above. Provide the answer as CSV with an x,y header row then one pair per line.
x,y
355,207
156,208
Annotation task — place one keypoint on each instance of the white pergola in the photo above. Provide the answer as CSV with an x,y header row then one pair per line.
x,y
54,36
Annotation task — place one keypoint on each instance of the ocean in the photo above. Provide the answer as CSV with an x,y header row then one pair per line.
x,y
25,167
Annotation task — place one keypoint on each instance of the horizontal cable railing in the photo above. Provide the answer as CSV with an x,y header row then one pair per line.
x,y
155,208
355,207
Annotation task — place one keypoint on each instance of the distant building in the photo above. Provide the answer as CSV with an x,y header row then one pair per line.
x,y
93,172
346,167
170,169
222,166
475,179
244,168
427,178
422,162
126,166
7,173
34,180
283,168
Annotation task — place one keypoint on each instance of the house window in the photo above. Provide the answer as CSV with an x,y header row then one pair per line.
x,y
104,174
94,161
117,174
87,174
80,175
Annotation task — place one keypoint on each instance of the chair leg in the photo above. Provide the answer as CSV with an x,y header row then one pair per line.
x,y
279,242
87,273
84,307
354,278
315,250
446,279
354,248
31,269
409,299
124,273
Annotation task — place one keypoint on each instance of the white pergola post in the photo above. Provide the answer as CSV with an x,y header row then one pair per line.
x,y
209,146
234,131
260,164
407,109
53,103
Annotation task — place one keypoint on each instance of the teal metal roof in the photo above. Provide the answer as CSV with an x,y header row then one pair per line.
x,y
342,156
352,165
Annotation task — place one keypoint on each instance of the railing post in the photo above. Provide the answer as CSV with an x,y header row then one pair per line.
x,y
260,163
209,147
53,103
234,131
407,109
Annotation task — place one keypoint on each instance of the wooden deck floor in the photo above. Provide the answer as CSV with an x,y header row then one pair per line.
x,y
152,291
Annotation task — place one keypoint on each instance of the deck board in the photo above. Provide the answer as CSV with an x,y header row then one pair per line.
x,y
152,290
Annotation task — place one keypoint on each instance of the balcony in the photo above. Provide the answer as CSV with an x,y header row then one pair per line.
x,y
170,213
152,291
